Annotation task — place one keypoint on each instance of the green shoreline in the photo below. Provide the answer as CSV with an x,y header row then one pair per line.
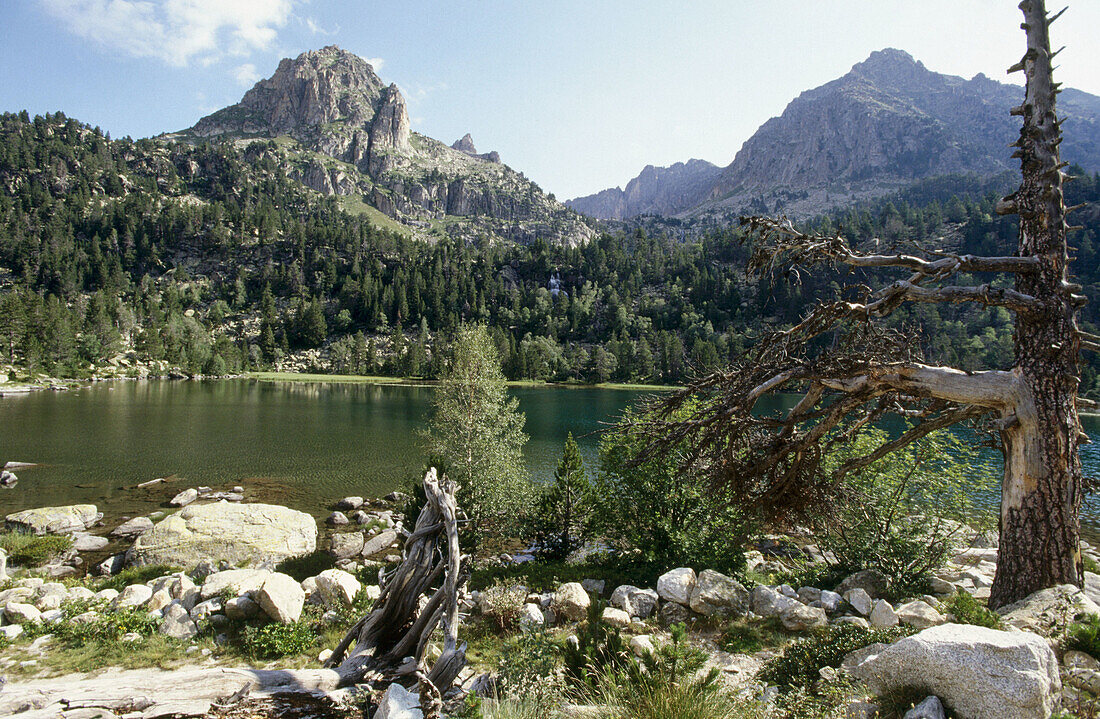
x,y
421,382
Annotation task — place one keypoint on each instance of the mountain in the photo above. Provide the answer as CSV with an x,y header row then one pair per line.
x,y
888,122
342,131
657,190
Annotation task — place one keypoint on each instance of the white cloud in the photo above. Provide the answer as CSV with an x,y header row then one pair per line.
x,y
246,74
175,31
376,63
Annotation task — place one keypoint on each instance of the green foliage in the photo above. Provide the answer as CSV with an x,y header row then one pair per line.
x,y
529,670
667,513
668,684
561,521
901,514
502,605
30,550
598,652
477,430
271,641
742,636
1084,636
108,626
968,610
546,576
136,575
801,661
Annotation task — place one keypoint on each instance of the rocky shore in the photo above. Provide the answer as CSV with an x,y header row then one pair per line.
x,y
211,572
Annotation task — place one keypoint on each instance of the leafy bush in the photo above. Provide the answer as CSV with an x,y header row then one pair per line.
x,y
801,661
30,550
968,610
668,513
106,628
748,637
137,575
1084,636
546,576
529,670
901,514
599,651
271,641
502,605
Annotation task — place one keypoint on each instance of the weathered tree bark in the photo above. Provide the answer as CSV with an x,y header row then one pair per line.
x,y
389,642
1042,490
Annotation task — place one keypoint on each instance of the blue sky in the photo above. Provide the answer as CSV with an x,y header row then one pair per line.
x,y
578,95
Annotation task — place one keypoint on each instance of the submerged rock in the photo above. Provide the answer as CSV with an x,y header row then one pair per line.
x,y
254,534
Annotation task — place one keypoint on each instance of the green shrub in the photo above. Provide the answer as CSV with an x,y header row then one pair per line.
x,y
1084,636
598,652
668,513
801,661
308,566
968,610
546,576
529,670
271,641
108,627
901,514
502,605
562,518
30,550
748,637
137,575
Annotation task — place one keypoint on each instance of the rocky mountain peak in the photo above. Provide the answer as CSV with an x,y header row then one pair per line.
x,y
316,88
390,128
466,144
890,67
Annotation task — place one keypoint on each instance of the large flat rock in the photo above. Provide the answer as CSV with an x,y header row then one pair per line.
x,y
155,692
252,535
55,520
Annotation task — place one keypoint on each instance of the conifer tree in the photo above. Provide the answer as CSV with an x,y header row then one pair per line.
x,y
560,524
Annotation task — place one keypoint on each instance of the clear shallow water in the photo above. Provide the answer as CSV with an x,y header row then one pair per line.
x,y
301,444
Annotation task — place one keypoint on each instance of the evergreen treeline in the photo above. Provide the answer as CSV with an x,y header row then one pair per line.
x,y
210,259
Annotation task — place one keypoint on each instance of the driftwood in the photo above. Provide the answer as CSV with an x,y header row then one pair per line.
x,y
388,644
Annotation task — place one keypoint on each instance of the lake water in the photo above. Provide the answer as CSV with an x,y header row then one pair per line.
x,y
305,445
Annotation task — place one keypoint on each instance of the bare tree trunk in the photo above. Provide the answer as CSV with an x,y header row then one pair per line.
x,y
389,642
1042,491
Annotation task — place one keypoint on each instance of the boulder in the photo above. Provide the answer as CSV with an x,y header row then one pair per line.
x,y
346,545
673,613
571,602
642,645
184,498
615,618
1047,610
111,566
256,534
930,708
89,542
768,602
980,673
859,600
634,601
677,585
55,520
19,613
871,581
883,615
281,598
798,617
233,581
717,594
178,623
531,617
337,519
241,608
348,504
379,543
133,527
919,614
830,601
134,595
397,702
337,588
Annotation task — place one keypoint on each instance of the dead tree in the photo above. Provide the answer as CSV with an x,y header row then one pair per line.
x,y
775,462
388,644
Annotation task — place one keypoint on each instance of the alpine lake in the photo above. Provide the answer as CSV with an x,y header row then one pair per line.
x,y
302,444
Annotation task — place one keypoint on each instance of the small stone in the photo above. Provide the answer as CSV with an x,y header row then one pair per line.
x,y
615,618
859,600
348,504
920,615
240,608
930,708
184,498
642,645
323,655
883,615
337,519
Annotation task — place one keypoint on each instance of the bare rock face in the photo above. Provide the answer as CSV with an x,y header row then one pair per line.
x,y
389,132
318,87
466,144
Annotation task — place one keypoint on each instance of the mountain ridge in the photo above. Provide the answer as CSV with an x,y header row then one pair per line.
x,y
342,131
887,122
